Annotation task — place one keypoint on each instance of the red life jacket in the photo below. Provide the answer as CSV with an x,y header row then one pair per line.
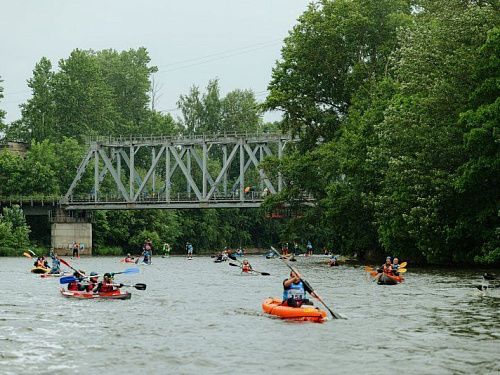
x,y
74,285
245,268
106,288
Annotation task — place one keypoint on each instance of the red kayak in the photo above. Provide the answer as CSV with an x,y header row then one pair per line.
x,y
115,294
386,279
127,260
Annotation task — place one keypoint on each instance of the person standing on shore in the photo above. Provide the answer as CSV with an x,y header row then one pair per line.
x,y
166,249
189,248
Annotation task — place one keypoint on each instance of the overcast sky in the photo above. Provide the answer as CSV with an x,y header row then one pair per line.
x,y
190,41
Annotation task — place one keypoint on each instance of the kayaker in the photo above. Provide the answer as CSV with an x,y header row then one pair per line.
x,y
395,266
284,249
56,264
333,262
245,266
129,258
295,291
106,285
92,283
76,284
386,267
39,262
147,256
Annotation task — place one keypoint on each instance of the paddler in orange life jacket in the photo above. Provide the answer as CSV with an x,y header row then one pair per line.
x,y
245,266
106,285
386,267
295,291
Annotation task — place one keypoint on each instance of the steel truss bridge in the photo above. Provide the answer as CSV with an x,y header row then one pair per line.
x,y
220,171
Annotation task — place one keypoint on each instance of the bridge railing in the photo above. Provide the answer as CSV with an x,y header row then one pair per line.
x,y
253,196
30,200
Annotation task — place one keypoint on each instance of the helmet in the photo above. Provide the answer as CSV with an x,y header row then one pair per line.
x,y
107,274
93,273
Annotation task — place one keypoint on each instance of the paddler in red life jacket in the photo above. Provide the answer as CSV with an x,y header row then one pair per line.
x,y
129,258
295,291
106,285
245,266
76,285
92,284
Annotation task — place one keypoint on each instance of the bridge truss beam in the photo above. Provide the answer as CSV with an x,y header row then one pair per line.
x,y
145,172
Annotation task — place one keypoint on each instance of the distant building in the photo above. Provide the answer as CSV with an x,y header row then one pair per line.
x,y
18,148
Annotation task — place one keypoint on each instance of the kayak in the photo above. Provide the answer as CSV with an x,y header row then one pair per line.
x,y
245,273
40,270
385,279
126,260
47,275
115,294
310,313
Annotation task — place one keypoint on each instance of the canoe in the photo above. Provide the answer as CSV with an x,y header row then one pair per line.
x,y
310,313
40,270
115,294
385,279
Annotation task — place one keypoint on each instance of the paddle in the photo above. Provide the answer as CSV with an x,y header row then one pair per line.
x,y
138,286
70,279
334,314
69,266
252,270
27,255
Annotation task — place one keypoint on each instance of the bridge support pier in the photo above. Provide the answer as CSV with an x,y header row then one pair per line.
x,y
67,228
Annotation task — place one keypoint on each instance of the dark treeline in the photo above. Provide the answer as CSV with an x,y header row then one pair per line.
x,y
396,104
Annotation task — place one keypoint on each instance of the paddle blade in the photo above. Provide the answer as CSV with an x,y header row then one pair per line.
x,y
373,273
231,256
140,286
402,270
265,273
27,255
131,271
67,279
32,252
403,265
368,269
234,265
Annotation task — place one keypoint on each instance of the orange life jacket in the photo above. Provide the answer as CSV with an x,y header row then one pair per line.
x,y
388,269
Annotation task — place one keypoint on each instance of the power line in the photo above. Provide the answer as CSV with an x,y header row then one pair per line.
x,y
194,59
215,59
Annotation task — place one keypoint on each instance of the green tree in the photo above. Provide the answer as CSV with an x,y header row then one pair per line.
x,y
420,140
210,113
477,180
13,231
336,49
38,113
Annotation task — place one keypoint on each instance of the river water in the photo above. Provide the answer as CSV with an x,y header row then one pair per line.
x,y
199,317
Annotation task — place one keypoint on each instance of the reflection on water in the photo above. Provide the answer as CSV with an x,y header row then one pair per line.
x,y
201,317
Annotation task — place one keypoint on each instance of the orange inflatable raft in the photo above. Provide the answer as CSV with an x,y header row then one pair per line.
x,y
273,306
